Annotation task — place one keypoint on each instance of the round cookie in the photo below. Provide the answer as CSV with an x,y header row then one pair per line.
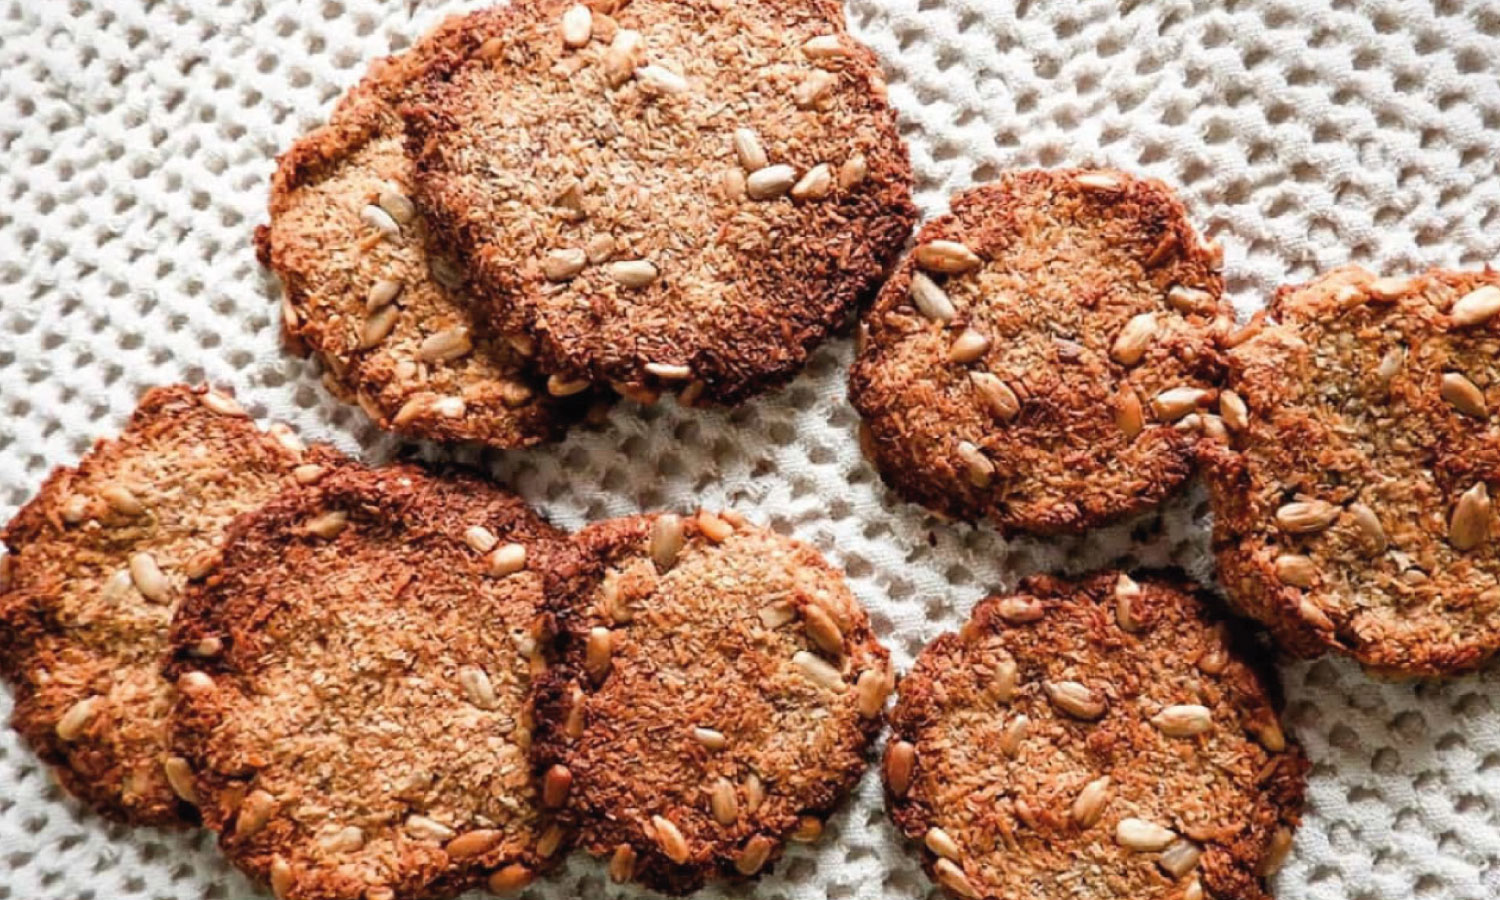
x,y
354,688
1354,511
683,195
1045,354
97,563
717,695
367,291
1097,738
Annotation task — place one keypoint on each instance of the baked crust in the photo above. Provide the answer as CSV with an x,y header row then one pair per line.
x,y
1045,354
1003,732
80,642
388,317
1353,512
694,721
362,729
598,197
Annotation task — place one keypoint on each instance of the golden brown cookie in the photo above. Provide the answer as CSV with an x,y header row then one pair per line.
x,y
97,564
1098,738
354,684
1046,354
369,291
716,697
1354,512
667,194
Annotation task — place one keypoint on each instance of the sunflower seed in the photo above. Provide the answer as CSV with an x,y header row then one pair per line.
x,y
513,877
477,687
424,829
473,843
223,404
598,652
1470,525
1128,594
809,829
747,147
305,474
673,844
968,347
930,300
507,559
632,273
1190,300
577,25
1464,396
1390,288
620,58
622,864
558,386
282,878
480,539
822,630
345,840
816,184
1131,343
1139,834
75,509
450,407
1171,405
819,671
1130,418
1270,736
180,777
253,813
287,438
900,763
1019,610
195,683
710,738
1075,699
1276,853
1014,734
1307,516
328,525
1185,720
870,692
381,221
1391,364
1097,181
661,81
754,855
1090,803
121,499
148,578
997,395
555,786
550,841
378,326
1180,858
947,257
723,802
1296,570
941,843
1479,305
952,877
770,182
713,527
599,248
854,171
1234,411
814,90
667,539
1369,527
825,46
978,466
563,264
1003,685
207,648
77,717
755,793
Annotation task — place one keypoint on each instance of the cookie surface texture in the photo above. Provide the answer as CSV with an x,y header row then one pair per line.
x,y
1354,511
1099,738
362,730
97,564
672,195
1046,355
717,696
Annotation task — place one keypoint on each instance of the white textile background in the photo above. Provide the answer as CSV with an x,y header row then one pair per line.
x,y
138,136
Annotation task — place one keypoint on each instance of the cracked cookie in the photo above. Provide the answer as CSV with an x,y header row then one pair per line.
x,y
680,195
97,564
716,696
354,686
1354,510
1046,354
1097,738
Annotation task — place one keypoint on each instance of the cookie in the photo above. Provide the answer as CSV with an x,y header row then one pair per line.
x,y
354,686
1045,354
1097,738
369,291
715,698
667,194
1354,511
97,563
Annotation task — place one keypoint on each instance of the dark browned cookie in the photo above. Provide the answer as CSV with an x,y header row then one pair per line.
x,y
1354,512
1103,738
1046,354
717,695
354,685
367,291
667,194
96,566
